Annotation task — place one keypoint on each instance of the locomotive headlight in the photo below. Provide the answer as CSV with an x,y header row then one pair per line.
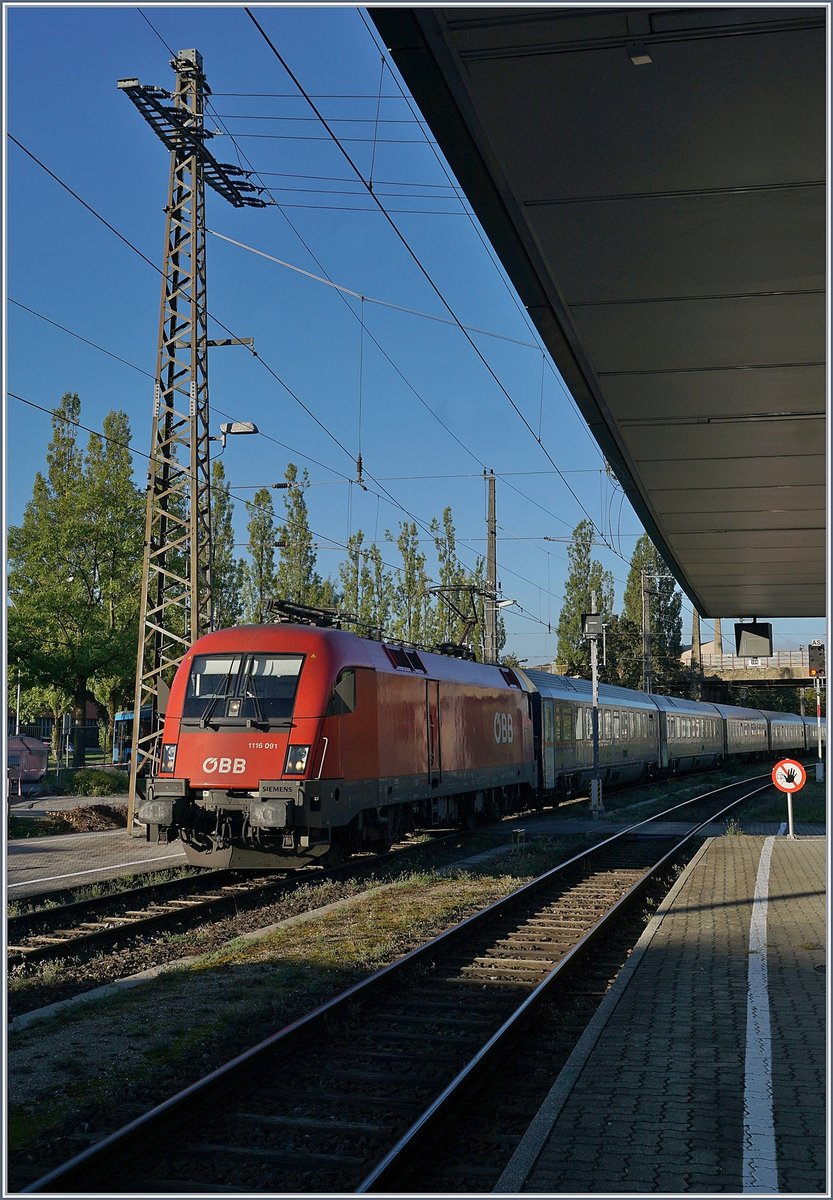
x,y
168,757
297,758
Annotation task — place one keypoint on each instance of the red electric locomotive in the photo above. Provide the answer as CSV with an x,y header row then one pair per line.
x,y
287,744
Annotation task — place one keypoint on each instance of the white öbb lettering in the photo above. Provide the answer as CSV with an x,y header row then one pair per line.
x,y
224,766
503,728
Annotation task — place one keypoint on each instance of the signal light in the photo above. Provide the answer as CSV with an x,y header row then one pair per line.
x,y
816,659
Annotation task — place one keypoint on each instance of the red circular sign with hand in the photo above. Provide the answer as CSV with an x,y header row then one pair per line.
x,y
789,775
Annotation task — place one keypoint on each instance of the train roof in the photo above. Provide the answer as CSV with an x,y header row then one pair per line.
x,y
788,718
746,714
692,708
565,687
348,649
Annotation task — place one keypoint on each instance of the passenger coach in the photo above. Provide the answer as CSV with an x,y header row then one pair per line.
x,y
629,745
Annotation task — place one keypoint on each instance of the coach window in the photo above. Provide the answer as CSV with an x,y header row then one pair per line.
x,y
567,725
343,699
579,724
548,720
616,724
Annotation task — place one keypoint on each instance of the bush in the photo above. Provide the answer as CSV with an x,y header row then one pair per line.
x,y
89,782
51,785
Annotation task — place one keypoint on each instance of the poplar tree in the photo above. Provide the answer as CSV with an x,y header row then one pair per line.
x,y
350,575
366,588
258,585
377,590
585,576
411,598
297,579
225,566
664,609
444,623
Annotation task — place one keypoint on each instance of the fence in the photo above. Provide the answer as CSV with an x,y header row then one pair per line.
x,y
796,660
42,730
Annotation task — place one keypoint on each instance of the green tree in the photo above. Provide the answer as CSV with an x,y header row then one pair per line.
x,y
258,570
444,623
412,602
74,562
225,565
664,608
585,576
297,579
366,588
377,590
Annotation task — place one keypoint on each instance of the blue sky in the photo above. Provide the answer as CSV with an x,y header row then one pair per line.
x,y
62,103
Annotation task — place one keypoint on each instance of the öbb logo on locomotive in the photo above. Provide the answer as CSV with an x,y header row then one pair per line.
x,y
224,766
503,728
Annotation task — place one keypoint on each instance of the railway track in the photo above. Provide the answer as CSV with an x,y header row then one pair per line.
x,y
113,920
73,929
348,1098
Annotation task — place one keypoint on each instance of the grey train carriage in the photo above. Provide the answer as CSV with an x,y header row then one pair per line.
x,y
643,735
629,739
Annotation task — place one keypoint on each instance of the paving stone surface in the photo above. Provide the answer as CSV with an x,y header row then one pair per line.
x,y
666,1073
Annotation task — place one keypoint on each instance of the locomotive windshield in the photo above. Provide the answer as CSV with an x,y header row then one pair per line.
x,y
227,688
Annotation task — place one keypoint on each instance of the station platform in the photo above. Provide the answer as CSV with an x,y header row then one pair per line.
x,y
38,866
704,1069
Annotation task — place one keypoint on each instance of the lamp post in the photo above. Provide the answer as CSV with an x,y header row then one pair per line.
x,y
591,627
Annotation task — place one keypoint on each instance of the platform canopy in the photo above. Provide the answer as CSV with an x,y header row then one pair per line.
x,y
654,181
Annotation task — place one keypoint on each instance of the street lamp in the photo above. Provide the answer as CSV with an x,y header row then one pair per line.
x,y
233,427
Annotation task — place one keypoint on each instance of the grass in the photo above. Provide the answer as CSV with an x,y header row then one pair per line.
x,y
809,806
105,887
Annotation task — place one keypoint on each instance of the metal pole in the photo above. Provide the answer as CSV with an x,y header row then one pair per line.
x,y
696,657
596,805
646,640
176,599
490,613
818,713
17,705
790,828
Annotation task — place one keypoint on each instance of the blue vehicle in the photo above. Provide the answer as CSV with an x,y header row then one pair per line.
x,y
123,733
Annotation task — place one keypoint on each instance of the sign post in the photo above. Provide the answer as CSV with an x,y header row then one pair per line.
x,y
789,776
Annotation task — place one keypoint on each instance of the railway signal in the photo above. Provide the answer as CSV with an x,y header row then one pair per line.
x,y
816,659
176,601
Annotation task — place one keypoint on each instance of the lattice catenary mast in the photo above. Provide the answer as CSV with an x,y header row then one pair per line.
x,y
176,603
